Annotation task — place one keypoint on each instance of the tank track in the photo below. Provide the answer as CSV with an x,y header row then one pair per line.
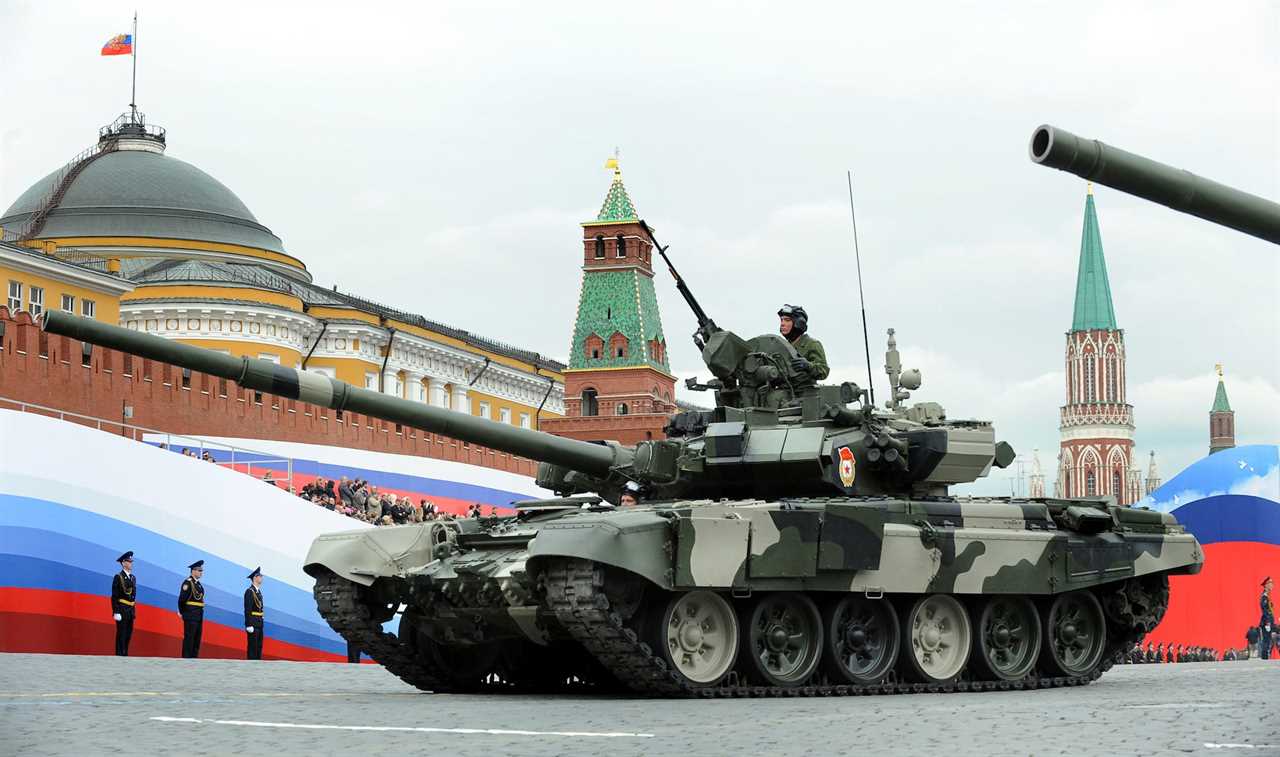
x,y
339,604
575,591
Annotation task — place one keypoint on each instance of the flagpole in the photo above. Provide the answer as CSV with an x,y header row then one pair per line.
x,y
133,95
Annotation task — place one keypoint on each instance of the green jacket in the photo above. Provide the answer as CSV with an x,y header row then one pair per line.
x,y
811,349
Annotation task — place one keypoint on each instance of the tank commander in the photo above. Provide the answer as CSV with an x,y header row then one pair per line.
x,y
124,592
810,359
191,608
630,495
253,618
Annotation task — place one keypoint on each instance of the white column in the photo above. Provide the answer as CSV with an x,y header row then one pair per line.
x,y
461,402
435,392
414,390
389,378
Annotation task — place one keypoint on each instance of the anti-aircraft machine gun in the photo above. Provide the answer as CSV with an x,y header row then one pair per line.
x,y
794,539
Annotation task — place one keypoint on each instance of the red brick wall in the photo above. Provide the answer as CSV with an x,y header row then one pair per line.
x,y
45,369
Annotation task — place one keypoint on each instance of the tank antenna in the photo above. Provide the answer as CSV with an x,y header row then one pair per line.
x,y
857,256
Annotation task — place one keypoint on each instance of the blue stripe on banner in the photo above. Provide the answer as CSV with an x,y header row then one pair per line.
x,y
428,487
24,572
23,532
1231,517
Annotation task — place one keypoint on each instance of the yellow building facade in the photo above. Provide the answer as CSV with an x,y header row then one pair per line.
x,y
183,258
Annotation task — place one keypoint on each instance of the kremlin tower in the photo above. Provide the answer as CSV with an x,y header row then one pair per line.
x,y
1222,420
1096,451
618,385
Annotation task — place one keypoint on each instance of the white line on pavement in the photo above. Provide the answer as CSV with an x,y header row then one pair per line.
x,y
413,729
1178,706
1241,746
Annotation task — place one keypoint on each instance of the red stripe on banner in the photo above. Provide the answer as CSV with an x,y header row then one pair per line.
x,y
117,50
1216,607
62,622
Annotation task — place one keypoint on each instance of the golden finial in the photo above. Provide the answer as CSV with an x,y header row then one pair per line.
x,y
613,162
1089,187
1219,367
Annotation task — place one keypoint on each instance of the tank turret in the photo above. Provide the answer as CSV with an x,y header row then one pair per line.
x,y
1172,187
771,433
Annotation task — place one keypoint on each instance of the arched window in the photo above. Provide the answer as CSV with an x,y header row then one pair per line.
x,y
599,246
1111,378
622,408
1090,378
1090,482
1066,492
1117,488
589,404
622,246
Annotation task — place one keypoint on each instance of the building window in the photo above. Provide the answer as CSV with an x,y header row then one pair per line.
x,y
1116,488
37,301
15,296
524,421
370,380
269,357
590,406
504,414
484,409
1090,384
621,246
68,304
88,308
621,409
599,246
1090,482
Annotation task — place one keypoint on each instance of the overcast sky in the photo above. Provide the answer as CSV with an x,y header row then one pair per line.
x,y
439,157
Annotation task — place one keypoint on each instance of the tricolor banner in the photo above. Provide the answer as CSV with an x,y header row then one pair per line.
x,y
121,44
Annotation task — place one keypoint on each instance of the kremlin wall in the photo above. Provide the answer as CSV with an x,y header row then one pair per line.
x,y
127,234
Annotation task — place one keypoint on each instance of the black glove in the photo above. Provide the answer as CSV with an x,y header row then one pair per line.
x,y
799,364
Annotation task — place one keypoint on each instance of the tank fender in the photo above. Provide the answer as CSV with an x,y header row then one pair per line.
x,y
641,546
365,555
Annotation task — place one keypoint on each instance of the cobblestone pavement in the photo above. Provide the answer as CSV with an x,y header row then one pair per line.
x,y
95,705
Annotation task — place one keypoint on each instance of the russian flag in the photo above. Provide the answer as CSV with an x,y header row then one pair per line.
x,y
121,44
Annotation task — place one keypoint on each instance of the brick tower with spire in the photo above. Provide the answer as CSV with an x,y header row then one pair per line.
x,y
1222,420
1096,428
618,384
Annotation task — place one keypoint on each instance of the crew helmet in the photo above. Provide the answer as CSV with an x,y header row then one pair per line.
x,y
799,318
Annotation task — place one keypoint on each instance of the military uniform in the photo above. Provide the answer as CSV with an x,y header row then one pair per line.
x,y
1267,624
124,593
253,619
811,350
191,608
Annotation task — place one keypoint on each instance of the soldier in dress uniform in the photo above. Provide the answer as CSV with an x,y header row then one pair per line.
x,y
124,592
253,619
191,608
1266,626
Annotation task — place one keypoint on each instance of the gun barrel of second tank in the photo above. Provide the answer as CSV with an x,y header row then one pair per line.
x,y
1172,187
269,378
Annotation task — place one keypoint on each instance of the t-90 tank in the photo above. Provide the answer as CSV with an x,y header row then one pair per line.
x,y
794,539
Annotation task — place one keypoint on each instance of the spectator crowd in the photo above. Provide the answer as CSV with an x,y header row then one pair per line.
x,y
357,498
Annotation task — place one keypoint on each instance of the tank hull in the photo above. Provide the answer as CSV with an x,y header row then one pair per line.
x,y
599,587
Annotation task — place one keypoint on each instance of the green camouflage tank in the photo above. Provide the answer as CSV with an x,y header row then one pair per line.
x,y
794,539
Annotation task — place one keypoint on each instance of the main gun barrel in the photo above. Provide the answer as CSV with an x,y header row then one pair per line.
x,y
269,378
1172,187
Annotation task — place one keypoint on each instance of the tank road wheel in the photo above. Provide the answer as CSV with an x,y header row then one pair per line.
x,y
1007,642
783,638
861,639
1075,634
697,636
936,636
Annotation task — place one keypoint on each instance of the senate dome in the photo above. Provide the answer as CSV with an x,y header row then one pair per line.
x,y
130,196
